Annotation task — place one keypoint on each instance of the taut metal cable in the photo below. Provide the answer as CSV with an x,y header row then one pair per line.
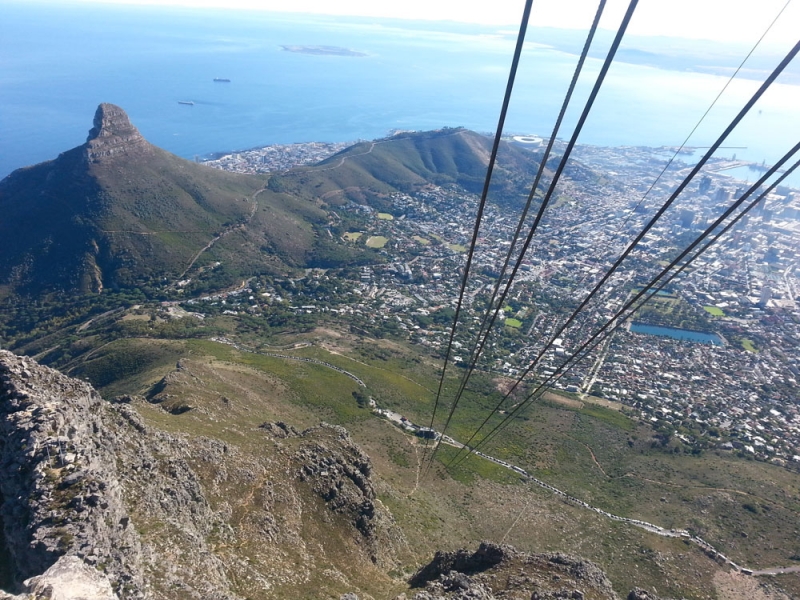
x,y
482,204
491,314
562,164
760,92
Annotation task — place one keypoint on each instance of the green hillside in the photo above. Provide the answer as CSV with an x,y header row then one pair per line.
x,y
119,213
409,161
114,212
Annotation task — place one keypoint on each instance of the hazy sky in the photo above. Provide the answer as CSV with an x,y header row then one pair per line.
x,y
722,20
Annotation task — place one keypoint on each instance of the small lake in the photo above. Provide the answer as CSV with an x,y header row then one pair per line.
x,y
678,334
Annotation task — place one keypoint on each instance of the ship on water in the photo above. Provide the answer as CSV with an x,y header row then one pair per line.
x,y
221,80
186,102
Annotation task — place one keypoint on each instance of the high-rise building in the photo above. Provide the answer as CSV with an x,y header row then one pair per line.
x,y
766,295
722,195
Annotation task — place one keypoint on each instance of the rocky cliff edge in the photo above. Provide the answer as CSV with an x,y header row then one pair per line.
x,y
96,504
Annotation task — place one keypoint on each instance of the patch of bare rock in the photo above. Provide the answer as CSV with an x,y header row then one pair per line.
x,y
500,572
97,504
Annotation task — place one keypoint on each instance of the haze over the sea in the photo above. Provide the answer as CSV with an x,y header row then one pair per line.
x,y
59,63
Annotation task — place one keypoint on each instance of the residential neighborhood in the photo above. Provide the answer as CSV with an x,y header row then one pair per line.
x,y
737,392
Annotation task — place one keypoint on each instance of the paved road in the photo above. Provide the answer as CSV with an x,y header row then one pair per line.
x,y
777,571
707,548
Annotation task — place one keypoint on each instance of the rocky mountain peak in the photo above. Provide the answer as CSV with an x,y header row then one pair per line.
x,y
111,120
113,135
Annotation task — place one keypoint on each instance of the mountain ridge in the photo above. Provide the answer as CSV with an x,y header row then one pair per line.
x,y
409,160
118,212
91,480
100,215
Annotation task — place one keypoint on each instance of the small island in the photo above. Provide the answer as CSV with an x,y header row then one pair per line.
x,y
323,50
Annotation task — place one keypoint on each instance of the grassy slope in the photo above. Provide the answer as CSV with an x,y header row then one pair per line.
x,y
482,501
133,218
407,161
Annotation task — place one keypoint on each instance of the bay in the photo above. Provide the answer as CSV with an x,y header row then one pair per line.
x,y
58,62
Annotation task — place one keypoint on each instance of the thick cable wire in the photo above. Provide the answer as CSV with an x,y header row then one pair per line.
x,y
562,164
491,313
482,204
756,96
617,319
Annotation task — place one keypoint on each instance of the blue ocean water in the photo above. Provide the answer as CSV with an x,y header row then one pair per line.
x,y
57,62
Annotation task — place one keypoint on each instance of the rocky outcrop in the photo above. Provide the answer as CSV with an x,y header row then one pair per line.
x,y
640,594
340,473
500,571
94,498
113,135
68,579
463,561
167,501
60,491
78,475
280,430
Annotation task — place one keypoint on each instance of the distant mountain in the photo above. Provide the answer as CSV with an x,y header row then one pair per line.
x,y
407,161
115,211
118,212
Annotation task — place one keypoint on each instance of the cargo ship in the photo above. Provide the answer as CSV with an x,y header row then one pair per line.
x,y
187,102
221,80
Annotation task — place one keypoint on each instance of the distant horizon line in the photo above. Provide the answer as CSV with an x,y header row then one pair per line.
x,y
719,26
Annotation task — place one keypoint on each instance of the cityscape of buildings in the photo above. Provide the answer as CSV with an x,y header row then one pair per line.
x,y
738,393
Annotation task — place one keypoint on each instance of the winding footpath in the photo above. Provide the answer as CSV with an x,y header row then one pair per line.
x,y
217,238
344,158
707,548
232,344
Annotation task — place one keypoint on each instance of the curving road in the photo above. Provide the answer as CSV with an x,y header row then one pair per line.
x,y
707,548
